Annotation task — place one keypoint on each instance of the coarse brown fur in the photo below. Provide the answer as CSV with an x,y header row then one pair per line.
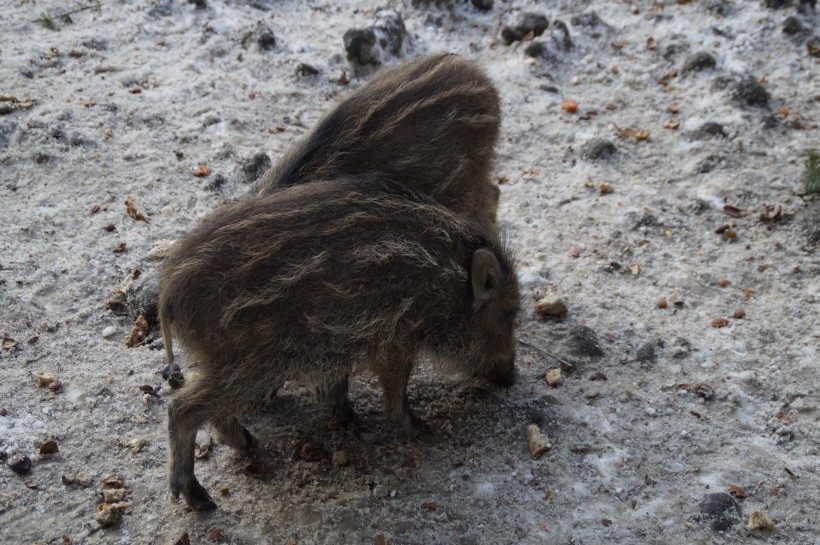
x,y
431,123
320,280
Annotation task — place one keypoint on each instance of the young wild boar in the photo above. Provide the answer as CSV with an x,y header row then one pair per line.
x,y
432,123
320,280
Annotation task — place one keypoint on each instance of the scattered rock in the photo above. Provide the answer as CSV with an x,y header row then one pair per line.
x,y
141,297
598,377
176,380
372,45
359,45
484,5
794,27
597,149
108,332
554,377
584,342
306,70
266,40
19,464
254,167
646,353
537,441
680,349
776,4
552,47
698,62
526,23
720,509
590,19
749,92
550,305
708,130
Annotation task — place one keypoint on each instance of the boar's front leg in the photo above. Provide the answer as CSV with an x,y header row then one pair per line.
x,y
230,432
337,402
186,415
393,369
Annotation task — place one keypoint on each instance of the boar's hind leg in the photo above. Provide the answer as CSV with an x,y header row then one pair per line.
x,y
335,397
230,432
394,372
186,414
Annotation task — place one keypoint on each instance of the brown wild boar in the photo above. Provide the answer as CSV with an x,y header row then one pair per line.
x,y
431,123
318,281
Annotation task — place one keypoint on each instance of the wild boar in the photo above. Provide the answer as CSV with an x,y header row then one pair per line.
x,y
320,280
431,123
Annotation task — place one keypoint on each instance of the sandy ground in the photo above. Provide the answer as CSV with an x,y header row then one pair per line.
x,y
658,408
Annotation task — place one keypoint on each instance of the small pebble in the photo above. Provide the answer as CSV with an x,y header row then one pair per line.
x,y
526,23
597,149
720,509
698,62
554,377
484,5
20,464
550,305
749,92
651,411
109,331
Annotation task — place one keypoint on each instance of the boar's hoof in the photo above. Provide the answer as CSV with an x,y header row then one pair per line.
x,y
413,427
250,440
196,497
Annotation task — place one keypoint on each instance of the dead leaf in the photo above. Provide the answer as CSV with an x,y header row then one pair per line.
x,y
784,417
9,343
733,211
672,125
651,43
628,132
737,491
430,505
201,171
668,77
49,447
133,210
720,322
139,332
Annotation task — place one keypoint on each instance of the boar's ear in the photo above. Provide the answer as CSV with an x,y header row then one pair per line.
x,y
486,276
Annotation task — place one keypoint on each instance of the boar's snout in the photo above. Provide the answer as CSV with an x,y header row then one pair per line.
x,y
503,375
